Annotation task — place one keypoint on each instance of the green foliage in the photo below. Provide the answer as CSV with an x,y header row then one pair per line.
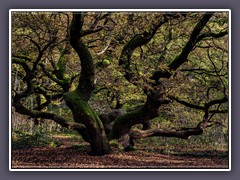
x,y
104,63
115,143
22,140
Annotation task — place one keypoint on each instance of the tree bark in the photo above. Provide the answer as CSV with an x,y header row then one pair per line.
x,y
77,100
183,133
123,124
108,118
84,114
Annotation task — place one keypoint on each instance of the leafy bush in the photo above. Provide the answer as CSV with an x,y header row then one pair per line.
x,y
22,140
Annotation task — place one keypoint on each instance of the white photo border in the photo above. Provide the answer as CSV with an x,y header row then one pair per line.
x,y
118,10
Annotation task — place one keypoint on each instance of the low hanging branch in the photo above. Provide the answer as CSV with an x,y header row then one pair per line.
x,y
127,140
57,118
183,133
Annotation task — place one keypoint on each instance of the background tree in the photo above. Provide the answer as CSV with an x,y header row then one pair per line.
x,y
116,71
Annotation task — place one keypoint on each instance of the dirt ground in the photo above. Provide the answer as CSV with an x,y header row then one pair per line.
x,y
76,157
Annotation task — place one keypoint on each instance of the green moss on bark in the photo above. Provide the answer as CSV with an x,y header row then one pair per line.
x,y
84,114
75,101
123,124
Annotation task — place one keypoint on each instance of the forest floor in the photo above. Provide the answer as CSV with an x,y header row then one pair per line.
x,y
70,155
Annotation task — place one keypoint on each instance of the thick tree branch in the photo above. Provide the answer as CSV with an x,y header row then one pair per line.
x,y
39,114
86,80
27,78
123,124
56,118
127,140
137,41
49,97
216,101
183,133
194,39
182,57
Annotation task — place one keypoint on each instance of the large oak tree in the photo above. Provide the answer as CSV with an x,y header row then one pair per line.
x,y
164,57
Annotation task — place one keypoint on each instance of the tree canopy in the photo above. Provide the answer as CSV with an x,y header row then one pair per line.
x,y
114,74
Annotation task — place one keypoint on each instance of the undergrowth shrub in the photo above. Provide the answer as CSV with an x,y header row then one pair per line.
x,y
22,140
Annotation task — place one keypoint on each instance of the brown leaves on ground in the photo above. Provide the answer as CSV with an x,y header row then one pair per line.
x,y
73,157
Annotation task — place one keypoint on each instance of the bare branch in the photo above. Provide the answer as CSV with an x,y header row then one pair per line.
x,y
41,52
49,75
91,31
70,124
182,57
211,103
211,34
22,57
106,47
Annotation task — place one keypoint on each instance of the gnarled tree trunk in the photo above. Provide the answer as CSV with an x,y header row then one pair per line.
x,y
84,114
123,124
77,100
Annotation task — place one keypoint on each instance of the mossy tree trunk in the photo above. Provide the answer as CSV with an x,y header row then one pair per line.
x,y
123,124
77,100
84,114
